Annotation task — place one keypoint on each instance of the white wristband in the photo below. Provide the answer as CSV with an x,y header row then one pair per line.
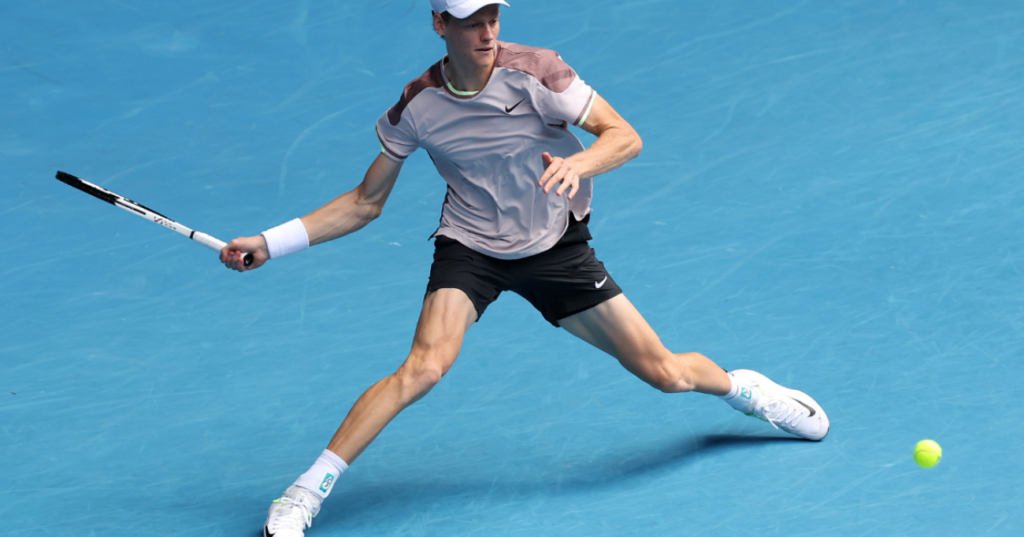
x,y
288,238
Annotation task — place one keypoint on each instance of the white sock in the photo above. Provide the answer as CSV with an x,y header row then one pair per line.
x,y
735,389
320,478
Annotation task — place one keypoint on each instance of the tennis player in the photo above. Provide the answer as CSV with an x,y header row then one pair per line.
x,y
494,118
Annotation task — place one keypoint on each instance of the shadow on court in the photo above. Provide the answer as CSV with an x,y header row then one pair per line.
x,y
410,494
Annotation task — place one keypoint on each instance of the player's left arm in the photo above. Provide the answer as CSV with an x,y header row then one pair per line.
x,y
616,144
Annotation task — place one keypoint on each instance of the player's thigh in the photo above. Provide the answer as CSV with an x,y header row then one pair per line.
x,y
616,327
446,316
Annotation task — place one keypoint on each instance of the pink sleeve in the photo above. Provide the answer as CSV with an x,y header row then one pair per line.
x,y
561,94
396,141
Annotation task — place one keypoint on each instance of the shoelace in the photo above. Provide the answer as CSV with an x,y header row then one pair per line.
x,y
294,514
777,411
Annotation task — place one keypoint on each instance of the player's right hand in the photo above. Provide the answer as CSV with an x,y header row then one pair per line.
x,y
232,254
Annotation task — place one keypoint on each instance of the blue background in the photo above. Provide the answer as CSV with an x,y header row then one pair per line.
x,y
829,193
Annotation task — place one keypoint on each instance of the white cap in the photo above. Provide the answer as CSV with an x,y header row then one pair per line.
x,y
460,9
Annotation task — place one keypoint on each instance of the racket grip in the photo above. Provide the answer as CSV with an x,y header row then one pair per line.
x,y
214,243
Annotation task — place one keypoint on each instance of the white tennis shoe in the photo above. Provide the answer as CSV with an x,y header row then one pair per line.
x,y
790,410
291,514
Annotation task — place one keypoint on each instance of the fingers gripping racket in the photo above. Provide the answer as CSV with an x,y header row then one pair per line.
x,y
145,212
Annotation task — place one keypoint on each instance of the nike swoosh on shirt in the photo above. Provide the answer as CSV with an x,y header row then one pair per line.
x,y
509,110
598,285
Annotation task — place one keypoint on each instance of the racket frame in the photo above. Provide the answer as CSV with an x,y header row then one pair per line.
x,y
141,210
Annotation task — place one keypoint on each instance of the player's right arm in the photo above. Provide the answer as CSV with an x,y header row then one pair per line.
x,y
345,214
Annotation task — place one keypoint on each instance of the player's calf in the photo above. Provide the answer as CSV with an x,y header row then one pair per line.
x,y
677,373
671,376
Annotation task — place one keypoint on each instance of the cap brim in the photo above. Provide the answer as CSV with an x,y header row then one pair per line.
x,y
465,9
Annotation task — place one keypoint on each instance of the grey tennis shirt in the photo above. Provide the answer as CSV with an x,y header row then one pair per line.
x,y
487,146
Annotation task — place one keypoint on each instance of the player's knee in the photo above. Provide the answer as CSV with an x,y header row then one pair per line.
x,y
419,379
428,374
418,376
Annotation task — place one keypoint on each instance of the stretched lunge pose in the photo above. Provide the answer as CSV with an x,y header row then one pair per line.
x,y
494,118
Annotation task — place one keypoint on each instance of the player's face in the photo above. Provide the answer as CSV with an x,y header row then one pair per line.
x,y
472,40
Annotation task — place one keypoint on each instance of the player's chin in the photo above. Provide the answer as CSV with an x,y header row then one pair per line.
x,y
483,59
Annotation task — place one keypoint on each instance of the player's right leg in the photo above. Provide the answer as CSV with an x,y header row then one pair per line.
x,y
446,315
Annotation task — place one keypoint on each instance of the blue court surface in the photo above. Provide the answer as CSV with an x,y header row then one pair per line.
x,y
829,193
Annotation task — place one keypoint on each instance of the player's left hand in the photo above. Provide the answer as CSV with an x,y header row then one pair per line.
x,y
558,171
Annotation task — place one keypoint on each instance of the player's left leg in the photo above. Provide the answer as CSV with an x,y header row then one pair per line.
x,y
617,328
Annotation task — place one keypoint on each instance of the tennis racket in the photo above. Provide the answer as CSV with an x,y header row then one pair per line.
x,y
139,209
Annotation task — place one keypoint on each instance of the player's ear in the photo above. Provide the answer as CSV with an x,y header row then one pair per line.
x,y
438,24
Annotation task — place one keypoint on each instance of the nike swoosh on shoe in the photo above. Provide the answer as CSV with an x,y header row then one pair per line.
x,y
813,412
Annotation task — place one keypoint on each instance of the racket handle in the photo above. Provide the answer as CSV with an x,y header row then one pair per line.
x,y
214,243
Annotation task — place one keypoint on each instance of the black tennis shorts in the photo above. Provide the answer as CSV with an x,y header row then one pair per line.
x,y
559,282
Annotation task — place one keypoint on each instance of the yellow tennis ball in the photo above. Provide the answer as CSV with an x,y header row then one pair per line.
x,y
927,453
